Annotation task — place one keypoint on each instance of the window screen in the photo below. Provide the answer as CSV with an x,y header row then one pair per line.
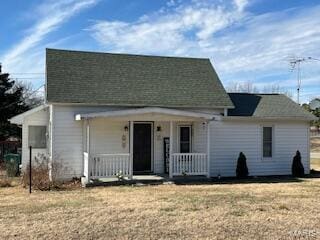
x,y
37,136
267,141
185,139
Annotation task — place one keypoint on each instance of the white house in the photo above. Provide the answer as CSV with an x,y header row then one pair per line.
x,y
106,113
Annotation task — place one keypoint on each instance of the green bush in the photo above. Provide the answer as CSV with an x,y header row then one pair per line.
x,y
297,167
12,162
242,169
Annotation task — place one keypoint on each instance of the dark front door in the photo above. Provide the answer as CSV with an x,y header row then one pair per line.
x,y
142,147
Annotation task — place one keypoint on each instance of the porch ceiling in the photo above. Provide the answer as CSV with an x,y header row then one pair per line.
x,y
146,110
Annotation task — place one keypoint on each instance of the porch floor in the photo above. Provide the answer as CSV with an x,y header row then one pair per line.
x,y
147,179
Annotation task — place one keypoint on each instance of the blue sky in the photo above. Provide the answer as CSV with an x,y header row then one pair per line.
x,y
249,42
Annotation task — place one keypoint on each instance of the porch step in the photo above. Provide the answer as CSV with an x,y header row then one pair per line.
x,y
126,182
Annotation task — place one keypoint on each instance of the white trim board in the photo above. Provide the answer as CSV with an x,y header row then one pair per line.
x,y
18,119
128,112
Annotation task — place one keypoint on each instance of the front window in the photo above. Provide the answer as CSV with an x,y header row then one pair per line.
x,y
185,139
37,136
267,142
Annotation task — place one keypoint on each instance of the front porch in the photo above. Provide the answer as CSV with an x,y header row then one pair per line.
x,y
177,145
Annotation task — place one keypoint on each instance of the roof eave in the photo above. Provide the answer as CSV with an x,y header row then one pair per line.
x,y
18,119
139,105
308,119
138,111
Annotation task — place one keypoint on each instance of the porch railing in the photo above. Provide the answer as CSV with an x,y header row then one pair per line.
x,y
189,164
109,165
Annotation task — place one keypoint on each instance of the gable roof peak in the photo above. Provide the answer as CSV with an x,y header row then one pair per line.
x,y
132,80
126,54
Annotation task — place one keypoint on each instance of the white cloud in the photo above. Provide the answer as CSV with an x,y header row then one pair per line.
x,y
244,46
241,4
171,3
174,32
267,40
51,15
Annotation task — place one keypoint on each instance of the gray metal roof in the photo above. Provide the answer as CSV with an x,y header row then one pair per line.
x,y
267,106
132,80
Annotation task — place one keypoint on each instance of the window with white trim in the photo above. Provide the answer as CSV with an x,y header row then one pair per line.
x,y
185,139
267,139
37,136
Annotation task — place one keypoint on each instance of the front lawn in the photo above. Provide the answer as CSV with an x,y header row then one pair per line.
x,y
284,210
315,144
315,164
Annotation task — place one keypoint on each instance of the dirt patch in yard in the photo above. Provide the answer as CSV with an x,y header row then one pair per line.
x,y
228,211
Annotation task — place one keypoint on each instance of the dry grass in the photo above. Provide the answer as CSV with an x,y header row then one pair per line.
x,y
217,211
315,164
315,144
5,182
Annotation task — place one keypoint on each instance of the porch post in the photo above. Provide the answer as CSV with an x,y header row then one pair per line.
x,y
51,112
171,151
208,149
86,159
131,151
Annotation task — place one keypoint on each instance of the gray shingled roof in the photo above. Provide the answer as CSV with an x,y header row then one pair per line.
x,y
132,80
267,106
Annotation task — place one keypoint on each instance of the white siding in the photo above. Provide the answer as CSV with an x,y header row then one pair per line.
x,y
228,139
288,139
68,136
39,118
106,136
67,141
199,137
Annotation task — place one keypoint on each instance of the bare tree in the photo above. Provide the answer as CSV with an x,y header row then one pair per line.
x,y
243,87
249,87
32,97
276,88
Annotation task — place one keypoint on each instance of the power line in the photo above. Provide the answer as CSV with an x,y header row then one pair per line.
x,y
22,73
17,78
